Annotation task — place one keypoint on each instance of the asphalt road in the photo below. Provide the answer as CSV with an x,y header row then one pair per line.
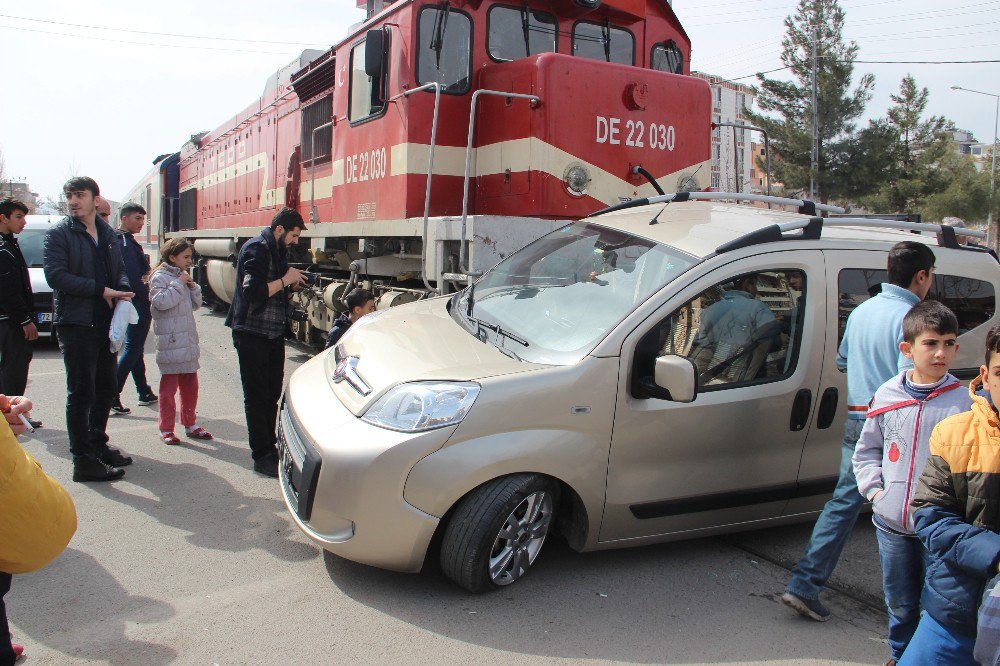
x,y
192,559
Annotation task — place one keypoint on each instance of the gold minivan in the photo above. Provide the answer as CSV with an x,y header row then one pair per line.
x,y
655,373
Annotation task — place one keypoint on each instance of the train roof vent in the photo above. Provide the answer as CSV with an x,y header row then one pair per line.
x,y
316,77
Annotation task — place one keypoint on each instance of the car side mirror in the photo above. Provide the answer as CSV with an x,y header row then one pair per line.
x,y
375,43
678,376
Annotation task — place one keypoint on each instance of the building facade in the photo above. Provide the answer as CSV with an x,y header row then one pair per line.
x,y
733,159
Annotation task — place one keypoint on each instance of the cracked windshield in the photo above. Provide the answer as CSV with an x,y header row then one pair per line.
x,y
553,301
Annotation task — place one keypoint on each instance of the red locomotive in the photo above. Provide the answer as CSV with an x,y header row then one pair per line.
x,y
439,136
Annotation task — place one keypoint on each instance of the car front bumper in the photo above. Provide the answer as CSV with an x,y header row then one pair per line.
x,y
342,479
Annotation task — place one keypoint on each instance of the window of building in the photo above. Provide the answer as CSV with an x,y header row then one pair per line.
x,y
444,50
717,95
715,152
519,32
715,180
972,301
667,58
315,115
746,330
602,41
741,102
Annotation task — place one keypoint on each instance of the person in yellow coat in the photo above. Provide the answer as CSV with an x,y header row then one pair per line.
x,y
37,516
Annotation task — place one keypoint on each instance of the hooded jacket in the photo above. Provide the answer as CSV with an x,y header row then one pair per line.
x,y
891,453
16,299
957,513
172,305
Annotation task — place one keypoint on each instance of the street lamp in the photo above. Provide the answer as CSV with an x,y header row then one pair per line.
x,y
994,238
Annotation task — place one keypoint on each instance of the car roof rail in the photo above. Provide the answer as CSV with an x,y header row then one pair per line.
x,y
812,229
805,206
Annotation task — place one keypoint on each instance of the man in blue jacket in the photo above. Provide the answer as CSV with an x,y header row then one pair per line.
x,y
871,356
130,361
84,267
259,319
17,308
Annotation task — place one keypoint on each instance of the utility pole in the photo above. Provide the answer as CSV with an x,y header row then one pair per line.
x,y
814,166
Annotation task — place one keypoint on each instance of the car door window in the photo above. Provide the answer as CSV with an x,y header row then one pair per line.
x,y
973,301
746,330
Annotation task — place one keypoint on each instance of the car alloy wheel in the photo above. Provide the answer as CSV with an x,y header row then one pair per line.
x,y
521,538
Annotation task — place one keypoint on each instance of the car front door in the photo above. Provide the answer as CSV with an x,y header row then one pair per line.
x,y
755,331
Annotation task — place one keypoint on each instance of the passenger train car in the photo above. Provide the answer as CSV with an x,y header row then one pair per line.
x,y
438,137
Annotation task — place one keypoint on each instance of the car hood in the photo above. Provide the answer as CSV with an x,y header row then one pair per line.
x,y
38,283
415,342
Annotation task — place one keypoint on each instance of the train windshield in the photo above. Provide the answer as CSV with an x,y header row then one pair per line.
x,y
554,300
520,32
445,49
602,41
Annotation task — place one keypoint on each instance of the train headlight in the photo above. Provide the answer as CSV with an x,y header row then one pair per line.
x,y
577,178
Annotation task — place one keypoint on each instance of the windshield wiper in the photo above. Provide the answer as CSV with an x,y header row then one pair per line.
x,y
525,28
500,331
440,28
606,34
468,309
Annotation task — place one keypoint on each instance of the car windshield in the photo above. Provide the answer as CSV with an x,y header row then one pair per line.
x,y
32,246
554,300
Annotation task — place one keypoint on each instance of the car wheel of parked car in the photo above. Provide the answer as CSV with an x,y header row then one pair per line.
x,y
497,531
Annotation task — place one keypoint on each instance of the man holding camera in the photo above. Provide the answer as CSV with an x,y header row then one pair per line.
x,y
259,319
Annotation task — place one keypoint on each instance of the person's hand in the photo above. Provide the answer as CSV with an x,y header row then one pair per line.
x,y
30,332
111,294
12,408
293,277
188,280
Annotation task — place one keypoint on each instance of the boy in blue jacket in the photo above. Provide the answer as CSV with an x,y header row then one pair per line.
x,y
893,449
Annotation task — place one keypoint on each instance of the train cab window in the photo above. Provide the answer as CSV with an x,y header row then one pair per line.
x,y
519,32
667,58
367,96
602,41
444,51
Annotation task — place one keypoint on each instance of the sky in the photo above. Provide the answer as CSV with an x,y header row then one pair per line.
x,y
104,100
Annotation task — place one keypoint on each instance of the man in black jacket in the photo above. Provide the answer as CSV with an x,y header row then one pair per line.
x,y
17,308
84,267
259,319
133,219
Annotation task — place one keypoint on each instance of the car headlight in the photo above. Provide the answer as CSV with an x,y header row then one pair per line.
x,y
420,406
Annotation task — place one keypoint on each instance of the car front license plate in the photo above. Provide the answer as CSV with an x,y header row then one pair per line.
x,y
44,317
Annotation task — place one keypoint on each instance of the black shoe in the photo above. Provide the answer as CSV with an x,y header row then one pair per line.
x,y
119,409
92,469
810,608
114,458
267,465
147,398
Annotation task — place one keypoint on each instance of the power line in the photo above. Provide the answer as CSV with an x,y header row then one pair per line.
x,y
877,62
120,41
161,34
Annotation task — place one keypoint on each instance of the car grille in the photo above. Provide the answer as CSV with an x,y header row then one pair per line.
x,y
300,464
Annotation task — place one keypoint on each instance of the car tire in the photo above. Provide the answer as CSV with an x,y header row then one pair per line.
x,y
497,531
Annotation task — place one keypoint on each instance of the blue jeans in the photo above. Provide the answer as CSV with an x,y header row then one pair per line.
x,y
934,645
904,561
130,360
833,526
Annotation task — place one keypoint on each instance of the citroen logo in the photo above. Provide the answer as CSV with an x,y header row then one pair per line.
x,y
347,370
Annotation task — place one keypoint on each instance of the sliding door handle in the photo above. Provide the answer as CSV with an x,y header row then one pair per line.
x,y
800,410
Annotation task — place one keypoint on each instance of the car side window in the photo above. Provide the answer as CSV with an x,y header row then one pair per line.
x,y
973,301
746,330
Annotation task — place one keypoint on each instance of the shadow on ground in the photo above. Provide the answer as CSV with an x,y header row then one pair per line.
x,y
77,607
698,601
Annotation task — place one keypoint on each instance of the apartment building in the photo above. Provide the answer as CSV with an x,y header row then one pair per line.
x,y
733,164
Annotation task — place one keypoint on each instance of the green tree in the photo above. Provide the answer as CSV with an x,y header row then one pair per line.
x,y
957,187
787,105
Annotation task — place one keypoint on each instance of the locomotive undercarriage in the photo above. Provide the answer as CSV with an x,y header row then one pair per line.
x,y
384,256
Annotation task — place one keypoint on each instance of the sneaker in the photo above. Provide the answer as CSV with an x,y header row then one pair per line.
x,y
267,465
810,608
118,409
92,469
147,398
18,651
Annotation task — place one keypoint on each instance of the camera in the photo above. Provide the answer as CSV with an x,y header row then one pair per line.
x,y
312,279
297,314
